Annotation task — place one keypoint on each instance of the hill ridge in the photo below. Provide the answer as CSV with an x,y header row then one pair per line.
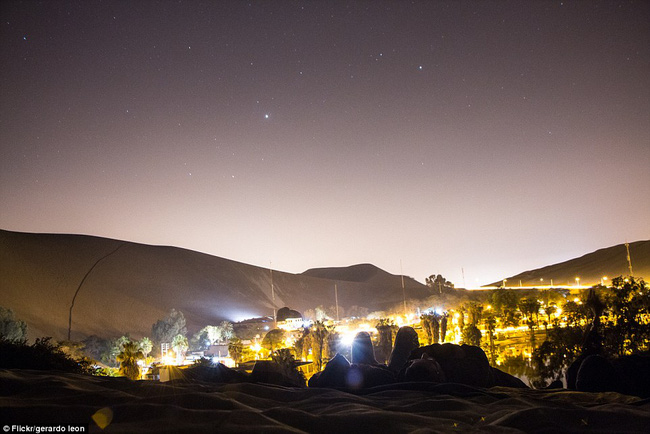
x,y
589,268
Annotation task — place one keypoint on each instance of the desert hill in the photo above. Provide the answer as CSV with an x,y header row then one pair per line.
x,y
353,273
138,284
590,268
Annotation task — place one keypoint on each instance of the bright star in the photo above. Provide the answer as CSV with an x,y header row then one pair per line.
x,y
266,116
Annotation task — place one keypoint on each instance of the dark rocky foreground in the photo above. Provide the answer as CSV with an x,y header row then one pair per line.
x,y
200,406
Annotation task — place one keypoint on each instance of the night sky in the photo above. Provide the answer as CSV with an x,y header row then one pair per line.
x,y
487,136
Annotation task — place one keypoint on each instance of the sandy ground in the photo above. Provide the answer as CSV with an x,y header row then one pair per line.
x,y
120,405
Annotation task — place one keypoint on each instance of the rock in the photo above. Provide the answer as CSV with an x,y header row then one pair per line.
x,y
405,342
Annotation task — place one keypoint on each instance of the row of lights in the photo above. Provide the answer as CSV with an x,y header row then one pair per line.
x,y
602,281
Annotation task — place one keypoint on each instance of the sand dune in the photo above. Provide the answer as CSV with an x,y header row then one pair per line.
x,y
152,407
138,284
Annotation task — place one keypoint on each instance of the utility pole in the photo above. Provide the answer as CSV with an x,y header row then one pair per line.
x,y
462,270
275,319
336,299
401,270
629,260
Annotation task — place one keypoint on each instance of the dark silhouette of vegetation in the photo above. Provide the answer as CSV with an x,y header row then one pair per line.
x,y
319,333
236,350
386,330
628,326
490,326
438,284
42,355
285,358
530,309
609,322
303,344
470,332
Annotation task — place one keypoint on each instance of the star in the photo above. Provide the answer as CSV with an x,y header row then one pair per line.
x,y
266,116
420,67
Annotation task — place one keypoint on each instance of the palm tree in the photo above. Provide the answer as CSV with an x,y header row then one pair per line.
x,y
180,346
490,324
319,335
235,350
128,359
146,346
386,329
530,307
227,330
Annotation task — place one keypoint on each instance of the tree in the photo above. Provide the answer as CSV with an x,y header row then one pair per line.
x,y
386,330
490,325
11,328
227,330
165,329
273,339
556,353
287,363
503,300
431,324
629,306
41,355
128,359
550,310
443,326
474,312
319,333
235,350
146,346
303,344
98,348
438,284
530,308
321,313
472,335
425,322
180,346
